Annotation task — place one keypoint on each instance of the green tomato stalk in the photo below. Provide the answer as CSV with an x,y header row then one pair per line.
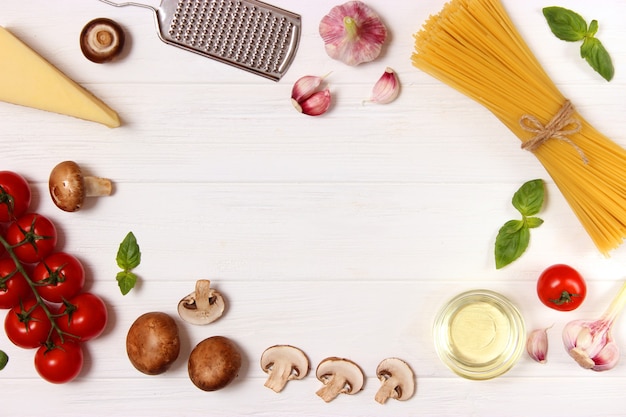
x,y
39,300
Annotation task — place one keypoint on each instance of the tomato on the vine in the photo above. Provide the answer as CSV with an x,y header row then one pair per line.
x,y
60,276
27,325
13,285
84,316
15,196
59,362
32,236
561,287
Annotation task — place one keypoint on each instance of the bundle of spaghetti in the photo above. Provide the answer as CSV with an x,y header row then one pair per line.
x,y
473,46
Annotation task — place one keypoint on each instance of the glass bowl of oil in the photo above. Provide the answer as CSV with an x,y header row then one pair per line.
x,y
479,334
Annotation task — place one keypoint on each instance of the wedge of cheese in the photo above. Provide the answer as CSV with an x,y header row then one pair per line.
x,y
28,79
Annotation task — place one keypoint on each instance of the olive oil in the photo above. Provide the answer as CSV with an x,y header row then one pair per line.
x,y
479,334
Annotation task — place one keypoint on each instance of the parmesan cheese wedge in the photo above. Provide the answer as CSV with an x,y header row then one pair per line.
x,y
27,79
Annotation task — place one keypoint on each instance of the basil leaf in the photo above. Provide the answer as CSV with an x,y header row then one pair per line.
x,y
533,222
511,242
128,254
128,258
4,359
529,198
566,24
126,280
598,57
593,29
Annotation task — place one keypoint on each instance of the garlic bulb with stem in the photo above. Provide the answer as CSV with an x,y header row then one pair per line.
x,y
353,33
590,342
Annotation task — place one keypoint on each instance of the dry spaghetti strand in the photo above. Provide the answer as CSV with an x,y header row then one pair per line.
x,y
473,46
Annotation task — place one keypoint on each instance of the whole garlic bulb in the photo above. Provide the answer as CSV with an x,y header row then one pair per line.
x,y
353,33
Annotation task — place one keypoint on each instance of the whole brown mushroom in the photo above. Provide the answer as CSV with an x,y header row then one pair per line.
x,y
152,343
69,187
214,363
102,40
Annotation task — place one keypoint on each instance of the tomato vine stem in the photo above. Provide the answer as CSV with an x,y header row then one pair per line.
x,y
39,300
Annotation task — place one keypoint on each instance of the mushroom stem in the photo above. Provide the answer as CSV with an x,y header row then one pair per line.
x,y
97,187
204,293
335,386
279,377
387,391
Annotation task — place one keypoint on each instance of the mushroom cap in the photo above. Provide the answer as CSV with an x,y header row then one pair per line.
x,y
398,380
153,343
203,306
348,373
214,363
67,187
102,40
283,363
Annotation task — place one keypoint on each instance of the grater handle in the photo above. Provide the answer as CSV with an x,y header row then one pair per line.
x,y
129,3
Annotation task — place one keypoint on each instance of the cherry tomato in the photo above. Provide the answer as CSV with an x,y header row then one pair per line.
x,y
61,362
15,196
13,285
60,276
561,287
33,236
3,250
86,316
27,325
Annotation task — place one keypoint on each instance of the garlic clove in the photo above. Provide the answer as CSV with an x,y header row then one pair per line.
x,y
386,89
353,33
316,104
537,345
308,97
305,86
607,358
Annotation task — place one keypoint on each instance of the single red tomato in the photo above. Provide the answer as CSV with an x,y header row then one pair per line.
x,y
61,362
13,285
60,276
15,196
3,250
84,316
32,236
27,325
561,287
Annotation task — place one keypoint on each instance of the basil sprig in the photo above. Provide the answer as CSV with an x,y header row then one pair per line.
x,y
513,238
572,27
128,258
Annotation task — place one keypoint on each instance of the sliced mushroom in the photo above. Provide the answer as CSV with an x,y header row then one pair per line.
x,y
69,187
283,363
397,378
203,306
339,376
102,40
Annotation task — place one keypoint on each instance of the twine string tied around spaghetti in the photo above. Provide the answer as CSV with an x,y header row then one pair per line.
x,y
562,125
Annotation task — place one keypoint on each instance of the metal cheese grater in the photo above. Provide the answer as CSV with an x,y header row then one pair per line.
x,y
248,34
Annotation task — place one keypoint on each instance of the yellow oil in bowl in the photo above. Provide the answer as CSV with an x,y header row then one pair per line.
x,y
479,334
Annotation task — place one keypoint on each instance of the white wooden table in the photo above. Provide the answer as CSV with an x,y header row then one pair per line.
x,y
341,234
